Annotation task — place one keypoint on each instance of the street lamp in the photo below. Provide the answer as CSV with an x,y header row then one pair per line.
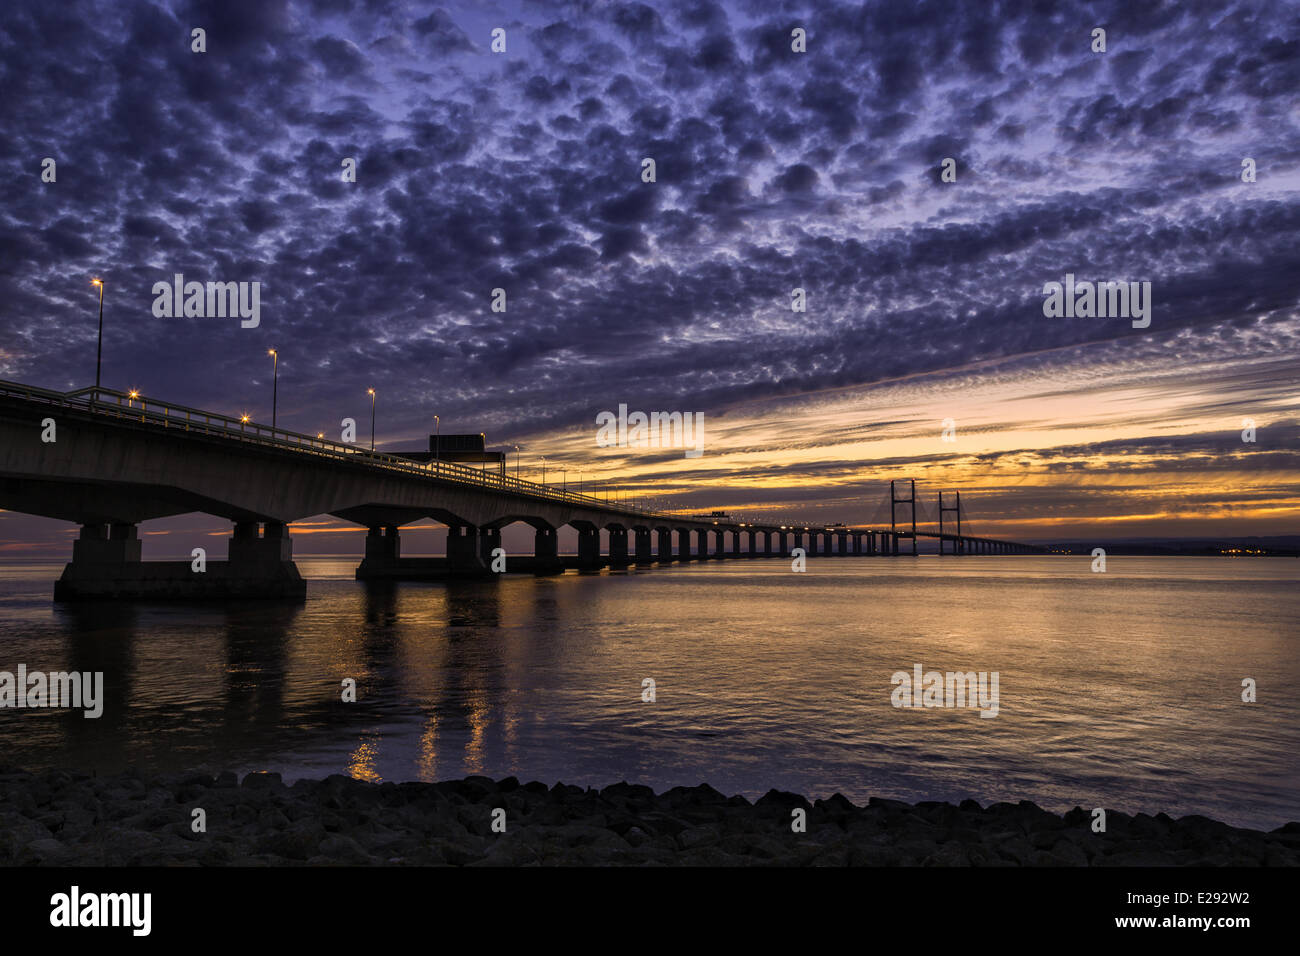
x,y
371,393
543,469
275,382
437,435
516,447
99,347
564,481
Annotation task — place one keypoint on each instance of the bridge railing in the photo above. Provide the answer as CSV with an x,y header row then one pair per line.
x,y
139,408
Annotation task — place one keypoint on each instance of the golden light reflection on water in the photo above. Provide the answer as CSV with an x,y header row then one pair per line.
x,y
427,761
361,764
478,718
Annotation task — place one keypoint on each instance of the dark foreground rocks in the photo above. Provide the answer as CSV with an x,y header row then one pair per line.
x,y
62,819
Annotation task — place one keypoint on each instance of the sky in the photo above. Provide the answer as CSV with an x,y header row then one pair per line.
x,y
925,350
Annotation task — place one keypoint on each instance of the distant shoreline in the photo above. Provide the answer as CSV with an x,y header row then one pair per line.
x,y
57,818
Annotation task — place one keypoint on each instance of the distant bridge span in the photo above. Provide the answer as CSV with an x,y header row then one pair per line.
x,y
117,459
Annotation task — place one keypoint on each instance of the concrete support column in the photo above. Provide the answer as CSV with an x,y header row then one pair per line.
x,y
701,545
843,543
275,547
618,548
812,544
105,544
589,549
665,546
644,550
463,554
735,543
683,545
546,552
753,544
380,547
489,539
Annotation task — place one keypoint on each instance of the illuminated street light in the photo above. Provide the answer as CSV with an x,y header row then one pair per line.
x,y
371,393
99,347
275,382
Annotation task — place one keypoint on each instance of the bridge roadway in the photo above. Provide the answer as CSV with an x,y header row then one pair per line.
x,y
108,460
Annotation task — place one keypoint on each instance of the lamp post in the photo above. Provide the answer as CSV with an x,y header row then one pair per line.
x,y
516,447
543,469
564,481
275,383
437,435
371,392
99,347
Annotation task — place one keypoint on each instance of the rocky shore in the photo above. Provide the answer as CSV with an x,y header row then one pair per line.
x,y
63,819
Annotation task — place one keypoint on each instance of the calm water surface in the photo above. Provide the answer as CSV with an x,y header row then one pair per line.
x,y
1119,689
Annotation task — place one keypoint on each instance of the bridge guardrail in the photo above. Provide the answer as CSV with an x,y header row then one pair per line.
x,y
106,401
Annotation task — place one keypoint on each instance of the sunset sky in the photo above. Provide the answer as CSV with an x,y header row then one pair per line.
x,y
522,170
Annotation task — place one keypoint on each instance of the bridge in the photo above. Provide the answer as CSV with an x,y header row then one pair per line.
x,y
108,460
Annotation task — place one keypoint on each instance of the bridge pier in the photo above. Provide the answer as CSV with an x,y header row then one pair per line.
x,y
489,539
701,545
618,549
106,565
665,546
683,545
546,552
644,553
589,559
843,543
463,551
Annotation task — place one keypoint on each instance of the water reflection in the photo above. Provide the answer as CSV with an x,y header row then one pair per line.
x,y
762,682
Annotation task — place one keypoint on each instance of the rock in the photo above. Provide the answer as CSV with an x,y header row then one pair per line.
x,y
262,780
782,800
296,843
45,852
696,837
343,849
636,837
